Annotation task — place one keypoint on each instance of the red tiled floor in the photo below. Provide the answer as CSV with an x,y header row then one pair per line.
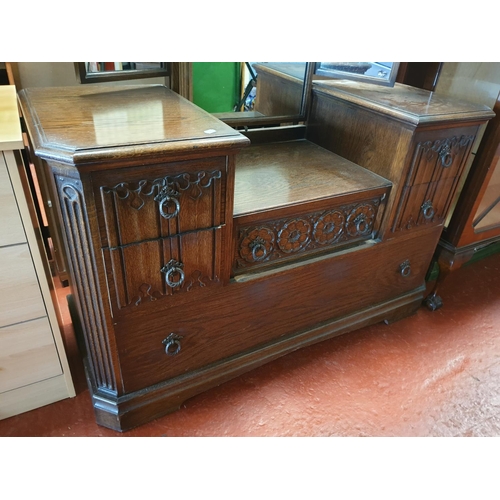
x,y
433,374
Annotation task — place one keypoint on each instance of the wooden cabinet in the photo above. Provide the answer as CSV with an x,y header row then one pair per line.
x,y
33,366
198,253
475,222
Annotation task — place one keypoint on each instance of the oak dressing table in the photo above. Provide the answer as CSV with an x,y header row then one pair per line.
x,y
198,252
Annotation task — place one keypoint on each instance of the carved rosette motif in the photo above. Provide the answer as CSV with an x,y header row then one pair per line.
x,y
285,237
329,227
257,244
360,220
294,235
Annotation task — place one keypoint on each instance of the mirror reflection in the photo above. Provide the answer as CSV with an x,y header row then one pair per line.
x,y
249,89
382,73
95,72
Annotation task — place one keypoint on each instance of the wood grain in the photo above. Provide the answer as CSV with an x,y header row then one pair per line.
x,y
270,176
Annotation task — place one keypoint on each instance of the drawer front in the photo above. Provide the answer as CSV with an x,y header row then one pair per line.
x,y
10,221
138,204
157,269
27,354
281,240
19,288
425,204
170,341
439,154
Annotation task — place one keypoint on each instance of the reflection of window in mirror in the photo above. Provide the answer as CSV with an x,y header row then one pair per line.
x,y
97,72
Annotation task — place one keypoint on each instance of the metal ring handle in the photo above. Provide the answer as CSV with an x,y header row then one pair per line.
x,y
428,210
445,156
171,269
172,344
167,195
257,245
405,269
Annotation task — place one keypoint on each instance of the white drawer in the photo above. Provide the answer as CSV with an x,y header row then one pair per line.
x,y
10,221
21,299
27,354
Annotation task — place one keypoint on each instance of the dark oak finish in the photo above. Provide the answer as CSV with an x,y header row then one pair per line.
x,y
194,258
475,222
417,140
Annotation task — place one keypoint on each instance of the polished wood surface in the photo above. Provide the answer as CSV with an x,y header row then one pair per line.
x,y
90,123
270,176
154,231
279,88
405,103
402,134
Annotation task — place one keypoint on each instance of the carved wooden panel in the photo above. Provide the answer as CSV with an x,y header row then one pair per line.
x,y
84,276
425,204
282,239
154,270
140,204
439,155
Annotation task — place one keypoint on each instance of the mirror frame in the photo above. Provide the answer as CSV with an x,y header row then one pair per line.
x,y
328,74
112,76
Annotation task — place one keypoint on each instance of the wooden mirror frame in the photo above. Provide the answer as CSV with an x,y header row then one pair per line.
x,y
112,76
328,73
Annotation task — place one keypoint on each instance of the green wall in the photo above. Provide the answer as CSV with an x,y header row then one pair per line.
x,y
216,85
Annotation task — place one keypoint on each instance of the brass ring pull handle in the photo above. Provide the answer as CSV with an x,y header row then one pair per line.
x,y
172,344
171,270
428,210
166,196
405,269
445,156
259,250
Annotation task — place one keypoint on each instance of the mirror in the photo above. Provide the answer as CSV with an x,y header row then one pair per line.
x,y
380,73
253,93
97,72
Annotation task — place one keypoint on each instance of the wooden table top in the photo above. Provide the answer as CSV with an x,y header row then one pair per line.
x,y
403,102
10,126
90,122
274,175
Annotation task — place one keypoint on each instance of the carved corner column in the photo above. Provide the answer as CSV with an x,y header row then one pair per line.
x,y
86,275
